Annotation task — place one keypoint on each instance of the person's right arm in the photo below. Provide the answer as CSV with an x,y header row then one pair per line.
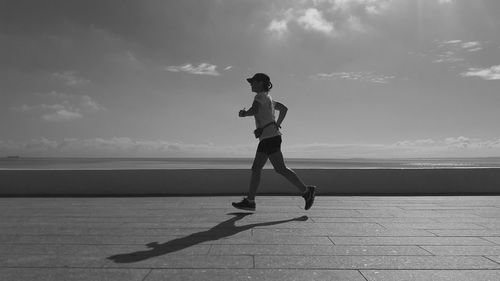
x,y
282,109
250,112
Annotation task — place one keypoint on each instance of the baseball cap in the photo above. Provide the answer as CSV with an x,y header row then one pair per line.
x,y
259,77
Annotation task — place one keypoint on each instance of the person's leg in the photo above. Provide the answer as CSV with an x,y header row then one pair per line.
x,y
279,166
258,163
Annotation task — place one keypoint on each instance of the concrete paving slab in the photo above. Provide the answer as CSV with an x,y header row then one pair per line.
x,y
434,226
328,250
374,220
491,225
254,274
72,274
466,220
410,241
375,262
495,240
347,231
465,232
96,250
136,259
240,238
463,250
431,275
419,213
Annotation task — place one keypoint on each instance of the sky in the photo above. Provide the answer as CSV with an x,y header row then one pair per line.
x,y
151,78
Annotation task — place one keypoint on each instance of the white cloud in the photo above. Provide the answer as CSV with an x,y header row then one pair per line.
x,y
61,115
453,51
278,27
356,76
472,46
376,7
491,73
67,107
419,148
228,68
70,78
446,1
127,147
201,69
40,107
88,103
56,95
120,147
314,20
329,17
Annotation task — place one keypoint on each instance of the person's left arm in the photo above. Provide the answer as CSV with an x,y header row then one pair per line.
x,y
283,110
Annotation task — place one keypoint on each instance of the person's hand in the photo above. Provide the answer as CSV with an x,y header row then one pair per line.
x,y
242,113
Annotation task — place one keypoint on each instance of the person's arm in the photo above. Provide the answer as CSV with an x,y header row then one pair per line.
x,y
282,109
252,111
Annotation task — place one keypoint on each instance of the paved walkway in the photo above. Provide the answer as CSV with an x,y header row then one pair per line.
x,y
202,238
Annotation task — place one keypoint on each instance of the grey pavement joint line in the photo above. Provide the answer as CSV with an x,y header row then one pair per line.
x,y
330,238
361,273
419,246
147,274
486,239
381,225
486,257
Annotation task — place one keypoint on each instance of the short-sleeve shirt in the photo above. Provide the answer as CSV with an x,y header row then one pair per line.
x,y
266,115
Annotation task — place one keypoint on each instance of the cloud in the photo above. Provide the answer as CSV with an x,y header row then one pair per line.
x,y
55,95
472,46
420,148
446,1
67,107
127,147
314,20
201,69
356,76
376,7
70,78
90,104
61,115
328,17
491,73
120,147
278,27
453,51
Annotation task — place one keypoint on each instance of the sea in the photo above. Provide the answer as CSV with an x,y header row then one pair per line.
x,y
34,163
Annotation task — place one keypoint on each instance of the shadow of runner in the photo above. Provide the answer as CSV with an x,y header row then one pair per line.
x,y
224,229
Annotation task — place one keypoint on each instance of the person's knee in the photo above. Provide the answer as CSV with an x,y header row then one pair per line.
x,y
281,170
256,169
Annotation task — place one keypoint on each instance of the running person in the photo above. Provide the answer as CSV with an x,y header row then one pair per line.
x,y
269,147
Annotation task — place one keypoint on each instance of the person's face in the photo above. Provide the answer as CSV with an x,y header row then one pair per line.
x,y
257,86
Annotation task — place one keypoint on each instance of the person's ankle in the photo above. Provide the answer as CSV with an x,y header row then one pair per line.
x,y
250,200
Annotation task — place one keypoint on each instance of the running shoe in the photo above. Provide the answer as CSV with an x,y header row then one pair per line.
x,y
309,196
245,205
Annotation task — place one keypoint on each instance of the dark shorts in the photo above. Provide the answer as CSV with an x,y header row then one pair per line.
x,y
270,145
